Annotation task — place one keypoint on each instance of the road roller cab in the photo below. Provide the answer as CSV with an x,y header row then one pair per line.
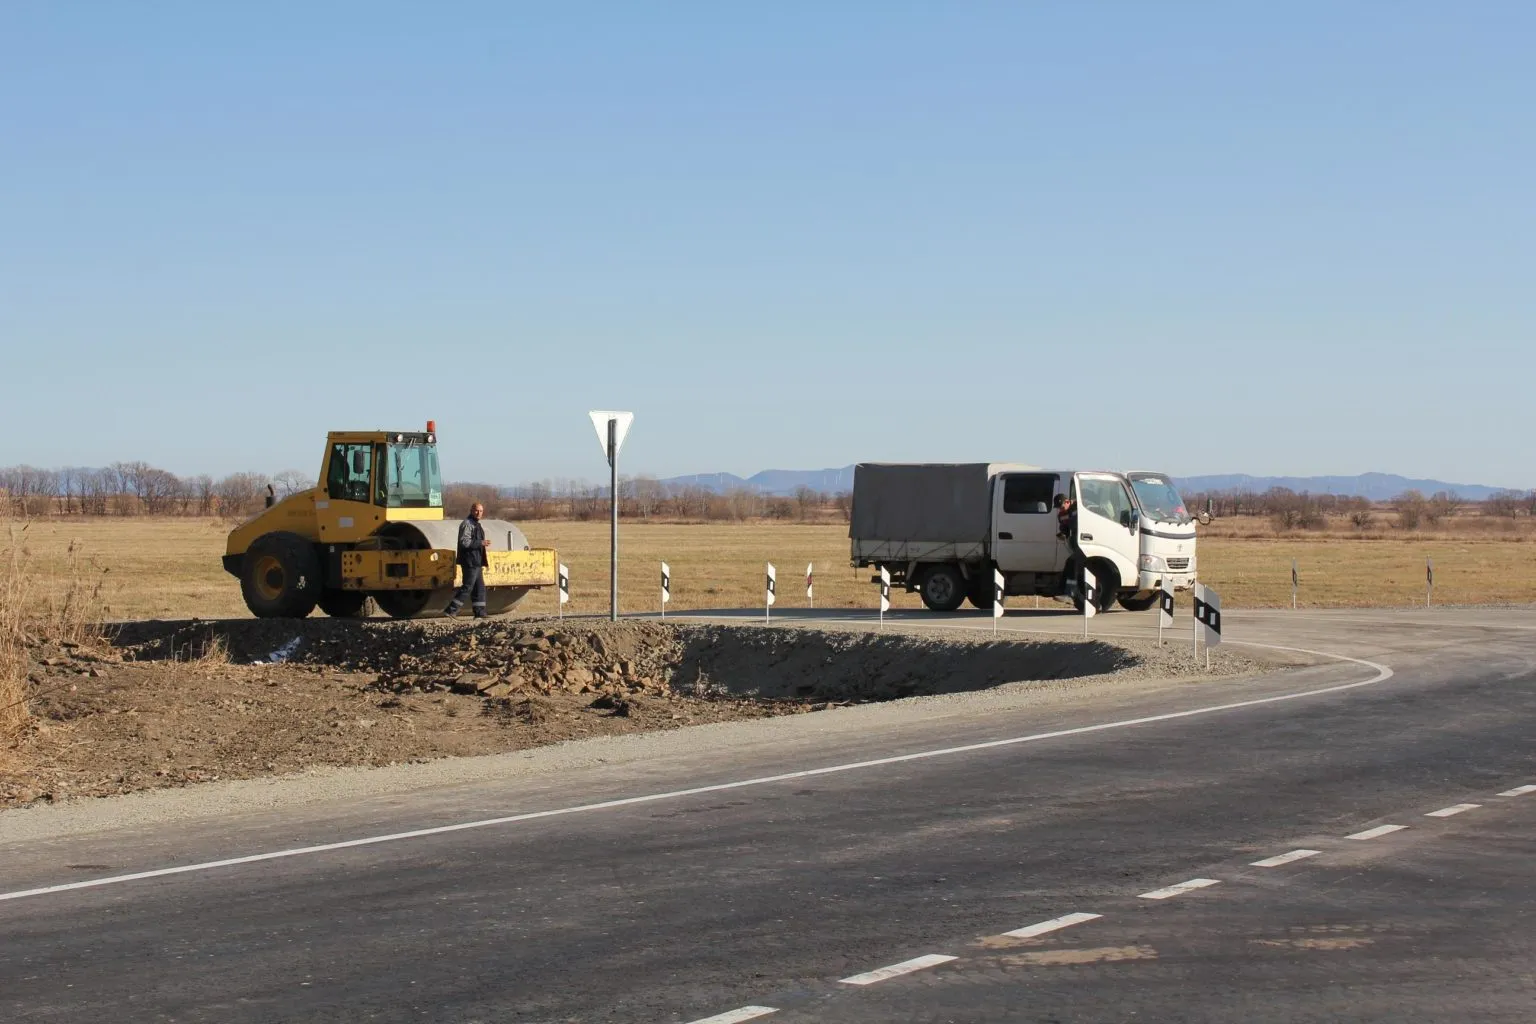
x,y
373,528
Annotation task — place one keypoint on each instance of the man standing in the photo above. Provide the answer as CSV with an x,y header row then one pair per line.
x,y
471,558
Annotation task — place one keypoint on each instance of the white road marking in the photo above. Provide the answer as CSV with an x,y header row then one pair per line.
x,y
1379,830
1383,673
920,963
1284,858
738,1015
1519,791
1446,812
1054,924
1180,889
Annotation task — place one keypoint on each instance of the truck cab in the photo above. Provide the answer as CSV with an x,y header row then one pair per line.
x,y
1167,549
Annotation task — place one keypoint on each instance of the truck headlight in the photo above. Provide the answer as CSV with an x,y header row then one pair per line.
x,y
1151,563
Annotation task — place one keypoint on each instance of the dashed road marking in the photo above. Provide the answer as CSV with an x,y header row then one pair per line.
x,y
920,963
1446,812
1519,791
1054,924
737,1015
1284,858
1180,889
1379,830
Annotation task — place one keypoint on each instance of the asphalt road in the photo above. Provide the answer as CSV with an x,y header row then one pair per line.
x,y
756,892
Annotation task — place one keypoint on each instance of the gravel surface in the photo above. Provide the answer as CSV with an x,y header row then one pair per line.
x,y
169,704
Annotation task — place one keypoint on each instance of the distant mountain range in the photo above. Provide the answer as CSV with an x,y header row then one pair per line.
x,y
1375,486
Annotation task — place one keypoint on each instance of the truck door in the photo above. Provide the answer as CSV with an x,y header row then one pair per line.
x,y
1024,523
1107,521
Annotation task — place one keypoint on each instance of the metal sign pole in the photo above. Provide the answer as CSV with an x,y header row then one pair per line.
x,y
612,427
613,519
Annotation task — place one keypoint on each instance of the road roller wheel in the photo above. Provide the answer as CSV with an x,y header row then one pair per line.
x,y
345,604
406,604
280,577
501,600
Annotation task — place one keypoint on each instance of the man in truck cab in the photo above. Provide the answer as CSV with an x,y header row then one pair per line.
x,y
472,559
1066,518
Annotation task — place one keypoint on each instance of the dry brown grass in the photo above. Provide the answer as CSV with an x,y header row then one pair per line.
x,y
169,568
60,603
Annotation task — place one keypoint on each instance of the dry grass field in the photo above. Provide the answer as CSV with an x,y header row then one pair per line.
x,y
169,568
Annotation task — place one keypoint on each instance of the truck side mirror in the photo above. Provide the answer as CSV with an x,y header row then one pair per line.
x,y
1125,518
359,462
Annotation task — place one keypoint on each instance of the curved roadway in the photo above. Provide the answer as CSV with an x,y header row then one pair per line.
x,y
1170,852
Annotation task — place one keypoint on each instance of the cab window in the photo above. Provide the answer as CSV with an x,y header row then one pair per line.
x,y
1028,494
351,468
1104,496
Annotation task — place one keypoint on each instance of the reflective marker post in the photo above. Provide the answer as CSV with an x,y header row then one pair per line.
x,y
998,585
1429,581
1295,582
770,585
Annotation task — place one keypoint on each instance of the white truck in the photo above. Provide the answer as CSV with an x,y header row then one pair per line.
x,y
1167,533
941,529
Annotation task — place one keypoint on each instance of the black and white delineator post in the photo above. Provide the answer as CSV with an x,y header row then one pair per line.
x,y
810,594
1208,618
1089,588
1164,610
1429,581
885,594
997,598
770,585
564,582
612,427
666,587
1295,582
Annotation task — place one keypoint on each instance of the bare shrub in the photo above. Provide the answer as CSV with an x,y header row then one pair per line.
x,y
38,609
1410,507
1504,504
1360,518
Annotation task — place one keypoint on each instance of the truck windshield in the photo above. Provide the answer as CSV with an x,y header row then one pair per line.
x,y
1158,498
411,478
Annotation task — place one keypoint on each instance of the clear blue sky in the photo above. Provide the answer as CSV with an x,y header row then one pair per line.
x,y
1206,237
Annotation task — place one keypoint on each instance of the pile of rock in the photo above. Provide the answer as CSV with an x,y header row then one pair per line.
x,y
527,661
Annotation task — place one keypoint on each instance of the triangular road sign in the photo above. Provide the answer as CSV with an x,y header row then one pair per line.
x,y
600,418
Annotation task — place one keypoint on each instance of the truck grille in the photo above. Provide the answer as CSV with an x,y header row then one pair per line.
x,y
1178,564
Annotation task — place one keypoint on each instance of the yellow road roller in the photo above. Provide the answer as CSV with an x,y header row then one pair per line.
x,y
373,527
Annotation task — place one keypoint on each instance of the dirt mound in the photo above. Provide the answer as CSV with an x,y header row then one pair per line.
x,y
503,658
172,703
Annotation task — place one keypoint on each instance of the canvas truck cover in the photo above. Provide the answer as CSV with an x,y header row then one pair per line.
x,y
923,501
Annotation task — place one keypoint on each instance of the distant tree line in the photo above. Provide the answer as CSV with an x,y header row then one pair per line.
x,y
129,489
645,497
137,488
1300,510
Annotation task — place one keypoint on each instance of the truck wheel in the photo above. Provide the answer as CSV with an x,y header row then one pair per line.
x,y
1109,585
280,577
943,590
980,593
345,604
1138,602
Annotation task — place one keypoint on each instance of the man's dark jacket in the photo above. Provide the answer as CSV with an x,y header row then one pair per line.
x,y
471,544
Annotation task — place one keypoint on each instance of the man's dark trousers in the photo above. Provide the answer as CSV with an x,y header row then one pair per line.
x,y
473,589
471,559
